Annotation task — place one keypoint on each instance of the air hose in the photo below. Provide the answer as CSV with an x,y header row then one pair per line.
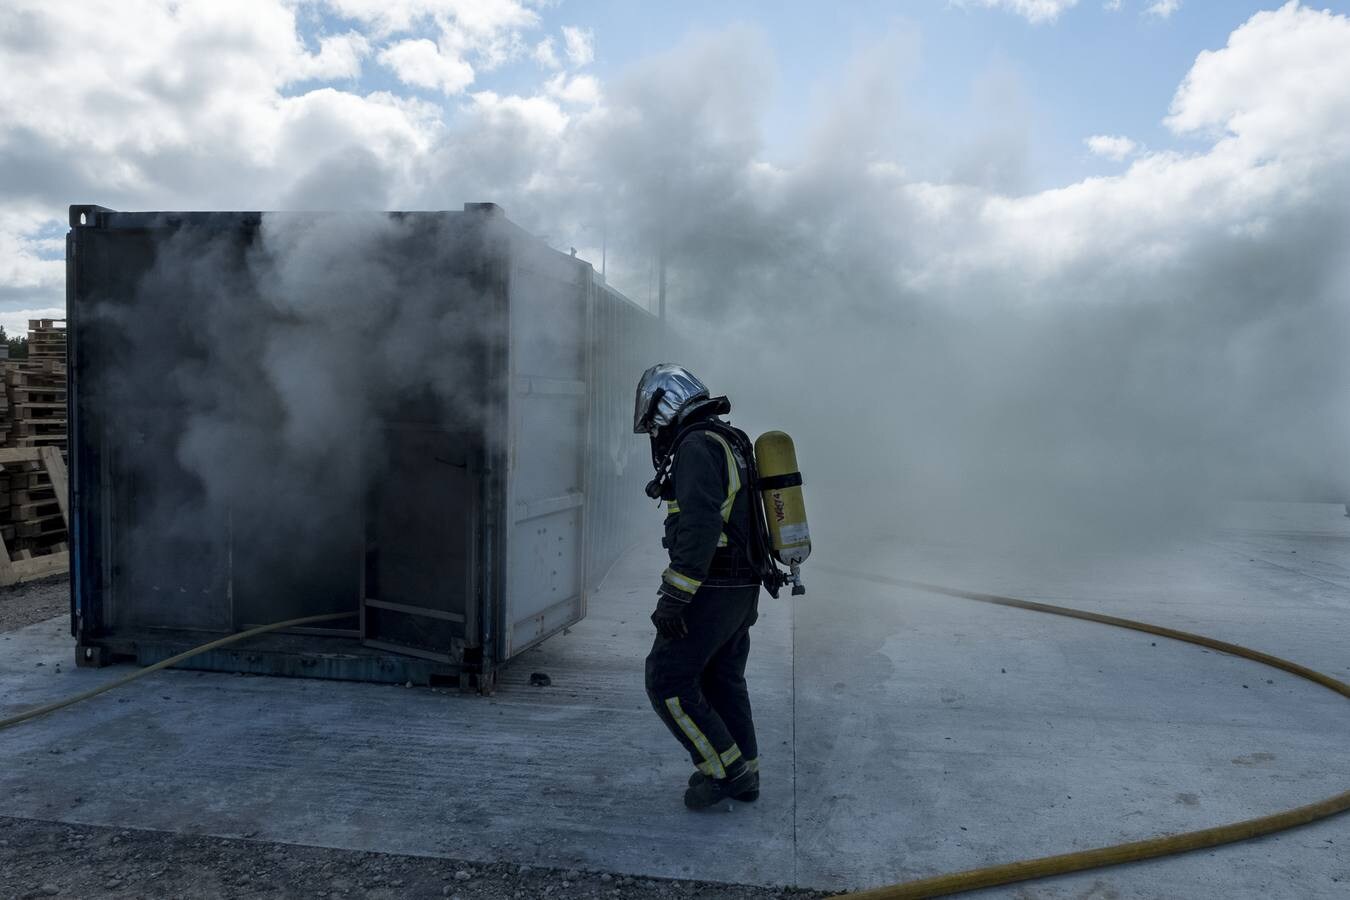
x,y
1167,845
164,664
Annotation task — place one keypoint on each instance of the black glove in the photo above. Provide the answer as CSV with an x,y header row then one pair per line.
x,y
669,615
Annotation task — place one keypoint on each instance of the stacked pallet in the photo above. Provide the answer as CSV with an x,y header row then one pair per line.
x,y
34,525
36,389
32,520
47,340
33,535
4,399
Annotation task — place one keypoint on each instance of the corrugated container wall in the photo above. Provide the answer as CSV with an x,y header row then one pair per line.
x,y
626,344
421,420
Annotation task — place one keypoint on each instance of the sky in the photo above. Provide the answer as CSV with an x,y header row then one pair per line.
x,y
1016,96
1069,70
1085,258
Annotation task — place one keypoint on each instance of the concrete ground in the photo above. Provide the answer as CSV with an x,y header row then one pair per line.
x,y
914,735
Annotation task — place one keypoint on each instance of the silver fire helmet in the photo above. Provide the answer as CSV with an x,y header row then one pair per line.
x,y
664,391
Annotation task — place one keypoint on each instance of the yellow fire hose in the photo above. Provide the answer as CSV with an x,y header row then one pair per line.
x,y
1167,845
164,664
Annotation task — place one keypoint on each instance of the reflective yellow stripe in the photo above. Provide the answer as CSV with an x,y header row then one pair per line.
x,y
722,540
733,476
672,508
705,769
683,582
697,737
752,764
731,755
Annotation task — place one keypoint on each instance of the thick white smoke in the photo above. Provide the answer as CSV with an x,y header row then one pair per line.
x,y
1113,358
272,390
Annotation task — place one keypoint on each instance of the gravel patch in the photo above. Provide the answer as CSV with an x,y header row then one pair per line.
x,y
27,604
52,859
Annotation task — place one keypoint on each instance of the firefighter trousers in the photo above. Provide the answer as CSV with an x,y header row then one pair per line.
x,y
697,683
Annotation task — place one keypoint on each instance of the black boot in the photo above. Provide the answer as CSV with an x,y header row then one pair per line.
x,y
741,783
753,767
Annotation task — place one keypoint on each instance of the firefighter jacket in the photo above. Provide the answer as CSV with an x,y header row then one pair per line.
x,y
708,515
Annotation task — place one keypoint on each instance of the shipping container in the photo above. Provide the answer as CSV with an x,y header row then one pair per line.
x,y
240,455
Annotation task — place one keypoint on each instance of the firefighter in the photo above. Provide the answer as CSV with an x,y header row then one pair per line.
x,y
709,594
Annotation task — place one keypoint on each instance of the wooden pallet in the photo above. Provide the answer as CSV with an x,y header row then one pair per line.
x,y
27,555
49,366
41,440
26,496
36,381
50,374
46,338
39,410
34,511
39,427
39,349
54,542
29,481
33,412
54,523
25,396
14,571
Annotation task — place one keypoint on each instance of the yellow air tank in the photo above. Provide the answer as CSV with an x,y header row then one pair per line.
x,y
780,488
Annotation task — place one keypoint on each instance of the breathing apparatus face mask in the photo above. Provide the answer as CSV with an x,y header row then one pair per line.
x,y
664,439
661,441
663,393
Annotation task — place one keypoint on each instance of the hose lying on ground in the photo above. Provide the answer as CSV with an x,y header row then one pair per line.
x,y
1167,845
164,664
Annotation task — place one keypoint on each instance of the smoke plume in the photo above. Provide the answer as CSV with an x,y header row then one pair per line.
x,y
1114,358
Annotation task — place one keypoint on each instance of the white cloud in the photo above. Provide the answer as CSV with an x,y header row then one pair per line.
x,y
580,45
1276,104
538,115
177,105
1163,9
1280,88
1034,11
578,89
422,64
490,32
546,55
1111,5
32,270
479,17
1110,146
339,57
